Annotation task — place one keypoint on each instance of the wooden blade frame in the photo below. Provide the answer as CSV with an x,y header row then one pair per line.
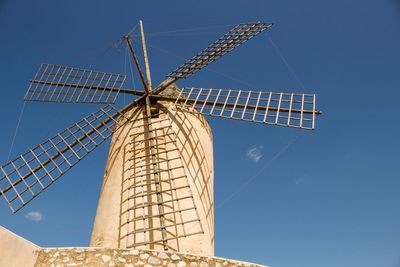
x,y
25,177
283,109
235,37
56,83
175,216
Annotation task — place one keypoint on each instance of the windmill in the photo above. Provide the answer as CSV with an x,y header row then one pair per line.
x,y
157,190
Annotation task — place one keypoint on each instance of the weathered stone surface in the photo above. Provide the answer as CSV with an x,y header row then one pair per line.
x,y
175,257
99,257
163,256
144,256
139,263
134,252
153,260
106,258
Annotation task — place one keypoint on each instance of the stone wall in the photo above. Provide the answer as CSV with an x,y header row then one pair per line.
x,y
60,257
18,252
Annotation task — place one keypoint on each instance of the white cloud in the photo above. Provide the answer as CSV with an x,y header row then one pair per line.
x,y
34,216
301,179
254,153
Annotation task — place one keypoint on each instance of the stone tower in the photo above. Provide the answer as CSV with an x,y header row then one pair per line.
x,y
158,199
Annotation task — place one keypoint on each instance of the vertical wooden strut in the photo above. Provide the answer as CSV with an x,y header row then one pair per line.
x,y
150,137
155,171
153,151
146,58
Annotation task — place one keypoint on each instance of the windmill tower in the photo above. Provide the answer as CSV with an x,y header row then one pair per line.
x,y
157,190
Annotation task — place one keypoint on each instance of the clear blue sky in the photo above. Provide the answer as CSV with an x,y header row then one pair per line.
x,y
324,198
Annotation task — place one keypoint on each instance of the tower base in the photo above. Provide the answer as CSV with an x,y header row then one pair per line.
x,y
128,258
16,251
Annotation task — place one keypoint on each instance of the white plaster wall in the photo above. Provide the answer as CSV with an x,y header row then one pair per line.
x,y
16,251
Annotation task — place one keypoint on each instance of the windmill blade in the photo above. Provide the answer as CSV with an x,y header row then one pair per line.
x,y
232,39
56,83
283,109
25,177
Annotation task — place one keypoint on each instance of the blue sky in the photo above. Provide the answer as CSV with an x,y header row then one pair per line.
x,y
328,198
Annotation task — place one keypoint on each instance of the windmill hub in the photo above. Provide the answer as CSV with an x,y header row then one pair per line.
x,y
172,91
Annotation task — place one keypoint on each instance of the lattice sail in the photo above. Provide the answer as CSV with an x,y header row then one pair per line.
x,y
31,173
283,109
56,83
158,207
235,37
